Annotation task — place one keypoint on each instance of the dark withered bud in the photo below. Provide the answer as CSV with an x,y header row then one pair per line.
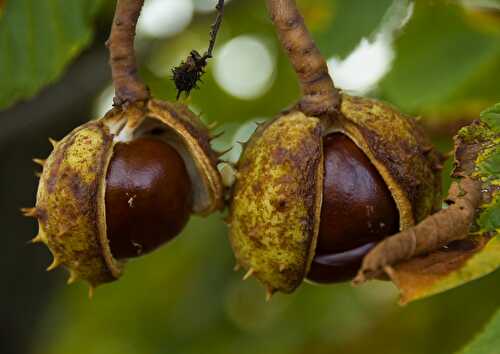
x,y
189,72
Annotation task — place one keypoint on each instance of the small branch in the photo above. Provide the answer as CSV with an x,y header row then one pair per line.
x,y
128,86
319,93
215,29
189,72
434,232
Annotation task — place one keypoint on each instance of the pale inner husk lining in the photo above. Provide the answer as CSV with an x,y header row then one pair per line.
x,y
151,127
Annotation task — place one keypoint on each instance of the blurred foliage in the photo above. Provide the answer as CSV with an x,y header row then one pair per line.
x,y
330,19
185,298
488,342
447,62
38,39
214,102
492,117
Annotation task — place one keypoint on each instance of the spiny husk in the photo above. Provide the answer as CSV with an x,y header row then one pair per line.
x,y
70,204
276,203
274,214
191,133
399,149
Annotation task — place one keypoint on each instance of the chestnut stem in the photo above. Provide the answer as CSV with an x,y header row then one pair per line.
x,y
319,95
128,86
189,72
215,29
435,231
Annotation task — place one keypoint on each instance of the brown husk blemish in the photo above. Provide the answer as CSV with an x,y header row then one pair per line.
x,y
70,202
274,215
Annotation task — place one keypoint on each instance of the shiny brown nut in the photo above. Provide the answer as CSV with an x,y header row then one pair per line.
x,y
93,205
355,194
284,189
148,196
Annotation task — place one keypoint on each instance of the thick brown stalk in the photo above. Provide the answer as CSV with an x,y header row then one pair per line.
x,y
128,86
320,97
435,231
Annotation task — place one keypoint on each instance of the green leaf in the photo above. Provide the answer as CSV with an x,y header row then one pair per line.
x,y
489,220
477,154
488,169
447,63
488,162
491,116
488,342
489,166
37,41
339,26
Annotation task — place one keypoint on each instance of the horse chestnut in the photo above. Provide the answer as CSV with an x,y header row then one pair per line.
x,y
314,195
148,196
122,185
354,192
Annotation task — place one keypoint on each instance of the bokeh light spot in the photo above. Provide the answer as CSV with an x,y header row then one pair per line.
x,y
164,18
104,102
244,67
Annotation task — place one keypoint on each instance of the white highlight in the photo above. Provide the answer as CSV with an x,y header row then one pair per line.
x,y
242,135
164,18
244,67
104,101
371,60
364,67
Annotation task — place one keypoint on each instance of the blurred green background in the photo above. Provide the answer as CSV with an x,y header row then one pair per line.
x,y
436,59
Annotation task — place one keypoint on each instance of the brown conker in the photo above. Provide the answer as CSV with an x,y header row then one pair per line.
x,y
148,196
312,195
357,211
122,185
